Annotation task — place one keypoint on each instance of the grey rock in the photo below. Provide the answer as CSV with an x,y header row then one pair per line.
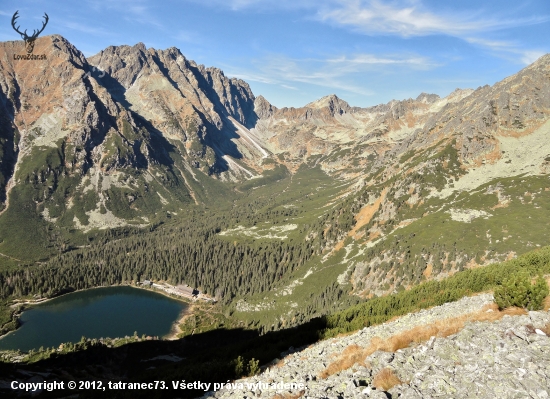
x,y
477,362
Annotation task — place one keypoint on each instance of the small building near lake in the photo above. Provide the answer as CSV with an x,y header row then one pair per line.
x,y
186,290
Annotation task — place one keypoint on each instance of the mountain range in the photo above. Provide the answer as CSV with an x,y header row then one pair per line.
x,y
131,137
139,164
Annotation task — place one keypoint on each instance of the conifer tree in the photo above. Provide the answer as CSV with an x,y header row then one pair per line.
x,y
517,290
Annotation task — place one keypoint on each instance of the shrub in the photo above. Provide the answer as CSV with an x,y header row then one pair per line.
x,y
517,290
239,366
253,367
243,368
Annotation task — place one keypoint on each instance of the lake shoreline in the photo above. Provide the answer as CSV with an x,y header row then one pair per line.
x,y
19,306
175,331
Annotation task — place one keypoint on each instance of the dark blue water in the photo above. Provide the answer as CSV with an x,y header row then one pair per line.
x,y
96,313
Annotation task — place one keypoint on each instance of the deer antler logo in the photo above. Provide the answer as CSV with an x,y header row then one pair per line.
x,y
29,40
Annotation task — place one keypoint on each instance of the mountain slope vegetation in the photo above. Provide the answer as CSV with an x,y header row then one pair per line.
x,y
140,164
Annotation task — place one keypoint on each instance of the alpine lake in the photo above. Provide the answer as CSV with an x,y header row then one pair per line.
x,y
95,313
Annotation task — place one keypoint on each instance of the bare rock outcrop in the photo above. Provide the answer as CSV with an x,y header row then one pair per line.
x,y
508,358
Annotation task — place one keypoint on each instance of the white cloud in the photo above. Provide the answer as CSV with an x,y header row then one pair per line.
x,y
493,44
530,56
250,76
398,17
262,4
406,18
335,73
283,69
508,49
361,61
411,18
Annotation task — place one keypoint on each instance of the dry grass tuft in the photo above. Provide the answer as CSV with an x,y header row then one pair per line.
x,y
546,304
490,306
386,380
355,354
512,312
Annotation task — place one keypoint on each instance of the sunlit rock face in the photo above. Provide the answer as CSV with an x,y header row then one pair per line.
x,y
129,133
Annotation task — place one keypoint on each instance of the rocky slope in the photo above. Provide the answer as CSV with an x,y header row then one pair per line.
x,y
323,125
434,186
414,161
508,358
185,101
397,193
435,174
112,141
131,136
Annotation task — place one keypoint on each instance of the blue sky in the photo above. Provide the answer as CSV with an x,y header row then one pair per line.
x,y
292,52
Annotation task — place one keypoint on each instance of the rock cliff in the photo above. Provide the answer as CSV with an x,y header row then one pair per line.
x,y
116,139
132,135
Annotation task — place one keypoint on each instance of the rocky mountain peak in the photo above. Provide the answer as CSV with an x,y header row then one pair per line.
x,y
263,108
124,113
133,108
332,102
49,80
140,46
208,89
123,63
427,98
542,62
55,47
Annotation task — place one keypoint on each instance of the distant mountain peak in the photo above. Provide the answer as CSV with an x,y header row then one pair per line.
x,y
328,101
427,98
334,104
263,108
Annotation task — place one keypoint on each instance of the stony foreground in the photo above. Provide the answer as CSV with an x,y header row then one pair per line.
x,y
509,358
